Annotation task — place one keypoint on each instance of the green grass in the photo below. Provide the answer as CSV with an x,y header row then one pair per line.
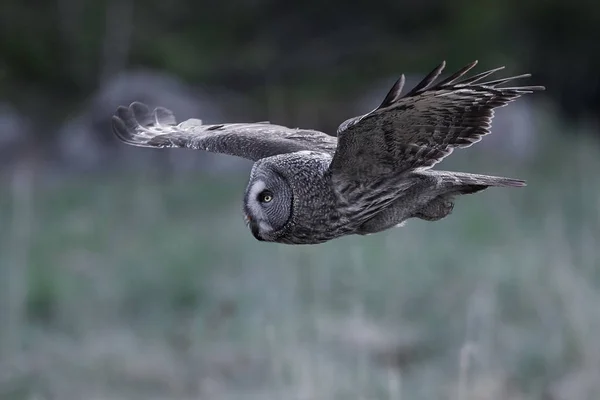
x,y
140,287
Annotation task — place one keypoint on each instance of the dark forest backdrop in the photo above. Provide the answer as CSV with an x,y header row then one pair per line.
x,y
69,47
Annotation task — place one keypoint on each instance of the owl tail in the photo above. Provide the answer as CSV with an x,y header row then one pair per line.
x,y
465,183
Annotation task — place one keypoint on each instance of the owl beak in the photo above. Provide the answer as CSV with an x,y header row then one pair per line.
x,y
253,227
255,232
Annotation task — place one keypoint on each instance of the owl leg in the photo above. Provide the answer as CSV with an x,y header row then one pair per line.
x,y
436,209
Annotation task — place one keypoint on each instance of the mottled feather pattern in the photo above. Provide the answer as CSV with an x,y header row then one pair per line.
x,y
316,213
414,132
139,126
442,116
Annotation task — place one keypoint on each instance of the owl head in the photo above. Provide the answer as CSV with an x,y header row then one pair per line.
x,y
268,202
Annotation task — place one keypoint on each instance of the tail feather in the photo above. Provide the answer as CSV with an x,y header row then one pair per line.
x,y
466,183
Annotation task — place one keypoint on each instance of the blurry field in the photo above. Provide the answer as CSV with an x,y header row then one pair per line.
x,y
139,286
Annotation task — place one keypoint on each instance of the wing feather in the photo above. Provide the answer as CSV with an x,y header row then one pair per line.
x,y
428,80
433,117
394,93
138,126
459,74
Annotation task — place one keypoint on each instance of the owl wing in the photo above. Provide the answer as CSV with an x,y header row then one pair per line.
x,y
420,128
138,126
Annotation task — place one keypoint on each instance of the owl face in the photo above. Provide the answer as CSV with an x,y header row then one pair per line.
x,y
267,203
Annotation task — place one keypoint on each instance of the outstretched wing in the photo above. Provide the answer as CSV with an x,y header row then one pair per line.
x,y
420,128
138,126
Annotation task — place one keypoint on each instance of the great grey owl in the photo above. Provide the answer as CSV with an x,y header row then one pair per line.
x,y
308,187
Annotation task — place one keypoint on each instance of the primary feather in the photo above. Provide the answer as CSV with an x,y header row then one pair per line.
x,y
138,126
420,128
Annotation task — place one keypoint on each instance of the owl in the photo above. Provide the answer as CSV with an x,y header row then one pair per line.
x,y
309,187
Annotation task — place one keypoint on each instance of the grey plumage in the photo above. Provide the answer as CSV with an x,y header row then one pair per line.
x,y
308,187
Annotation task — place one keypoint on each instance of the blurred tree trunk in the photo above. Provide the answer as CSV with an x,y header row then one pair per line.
x,y
13,281
117,38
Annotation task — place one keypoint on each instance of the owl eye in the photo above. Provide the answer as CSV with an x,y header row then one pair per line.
x,y
265,196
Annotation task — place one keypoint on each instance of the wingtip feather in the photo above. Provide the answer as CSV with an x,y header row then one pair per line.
x,y
164,116
120,129
141,113
428,80
394,93
458,74
130,124
124,124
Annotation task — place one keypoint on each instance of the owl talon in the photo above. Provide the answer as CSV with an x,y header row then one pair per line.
x,y
435,210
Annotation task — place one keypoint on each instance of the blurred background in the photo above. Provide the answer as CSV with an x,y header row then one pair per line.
x,y
128,273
